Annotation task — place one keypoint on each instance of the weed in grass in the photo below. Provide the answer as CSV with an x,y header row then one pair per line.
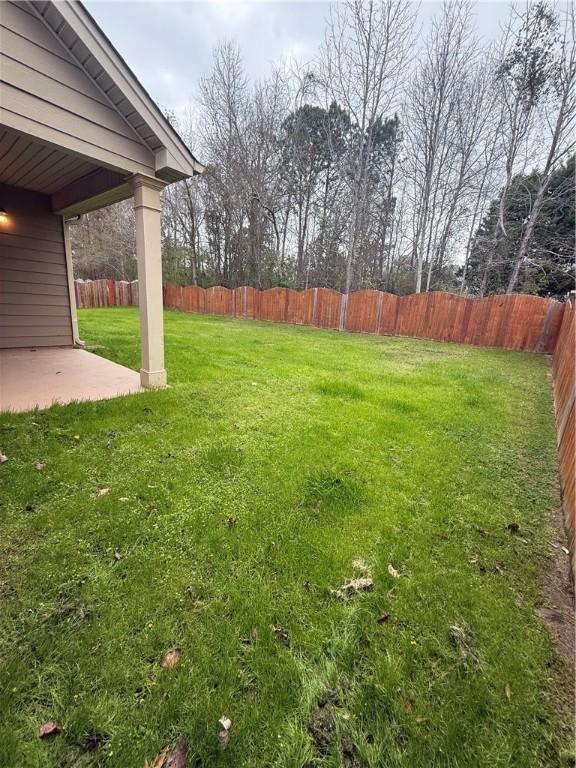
x,y
342,389
326,490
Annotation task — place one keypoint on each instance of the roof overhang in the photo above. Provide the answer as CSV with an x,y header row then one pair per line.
x,y
79,32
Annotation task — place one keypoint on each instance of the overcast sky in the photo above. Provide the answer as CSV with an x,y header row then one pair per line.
x,y
169,44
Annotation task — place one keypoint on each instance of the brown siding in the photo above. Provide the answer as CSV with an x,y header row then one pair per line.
x,y
34,299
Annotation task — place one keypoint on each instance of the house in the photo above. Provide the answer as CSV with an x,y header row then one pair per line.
x,y
77,132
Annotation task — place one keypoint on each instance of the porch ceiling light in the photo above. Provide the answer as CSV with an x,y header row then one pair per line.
x,y
3,216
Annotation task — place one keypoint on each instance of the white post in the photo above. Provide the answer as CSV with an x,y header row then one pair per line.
x,y
149,258
71,288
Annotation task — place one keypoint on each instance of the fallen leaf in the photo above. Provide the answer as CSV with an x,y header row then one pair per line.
x,y
231,521
482,531
40,466
508,691
118,556
317,509
420,720
282,636
76,437
224,733
49,728
392,571
513,527
179,755
176,758
92,741
383,619
3,457
409,705
352,587
171,658
99,492
124,498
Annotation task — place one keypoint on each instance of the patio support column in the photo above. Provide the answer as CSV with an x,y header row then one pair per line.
x,y
149,257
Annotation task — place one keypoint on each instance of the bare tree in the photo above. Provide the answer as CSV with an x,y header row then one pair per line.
x,y
523,79
559,118
363,66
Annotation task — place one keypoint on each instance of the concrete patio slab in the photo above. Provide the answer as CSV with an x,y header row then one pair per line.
x,y
39,378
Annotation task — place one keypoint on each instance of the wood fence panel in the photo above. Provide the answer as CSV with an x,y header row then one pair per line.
x,y
551,329
328,305
219,301
458,317
193,299
246,302
172,296
477,320
563,361
389,314
273,304
300,306
362,312
564,372
411,313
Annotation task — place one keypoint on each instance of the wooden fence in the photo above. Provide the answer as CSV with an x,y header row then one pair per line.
x,y
518,322
564,377
512,322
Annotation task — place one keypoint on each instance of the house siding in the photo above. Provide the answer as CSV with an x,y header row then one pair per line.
x,y
46,94
34,296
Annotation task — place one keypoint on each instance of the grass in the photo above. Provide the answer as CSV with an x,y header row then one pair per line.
x,y
239,498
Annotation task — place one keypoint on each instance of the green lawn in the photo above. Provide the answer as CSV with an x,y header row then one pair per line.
x,y
239,498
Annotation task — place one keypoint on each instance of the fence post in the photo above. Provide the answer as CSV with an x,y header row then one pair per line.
x,y
343,311
314,306
379,312
545,326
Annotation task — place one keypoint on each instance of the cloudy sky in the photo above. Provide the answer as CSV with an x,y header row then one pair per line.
x,y
169,44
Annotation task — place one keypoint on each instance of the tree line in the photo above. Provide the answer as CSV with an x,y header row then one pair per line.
x,y
388,162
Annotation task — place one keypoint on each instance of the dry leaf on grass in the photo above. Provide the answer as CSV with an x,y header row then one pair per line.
x,y
171,658
393,572
231,521
409,705
99,492
49,728
383,619
513,527
176,758
3,457
179,755
420,720
118,556
353,587
282,636
224,733
508,691
40,466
